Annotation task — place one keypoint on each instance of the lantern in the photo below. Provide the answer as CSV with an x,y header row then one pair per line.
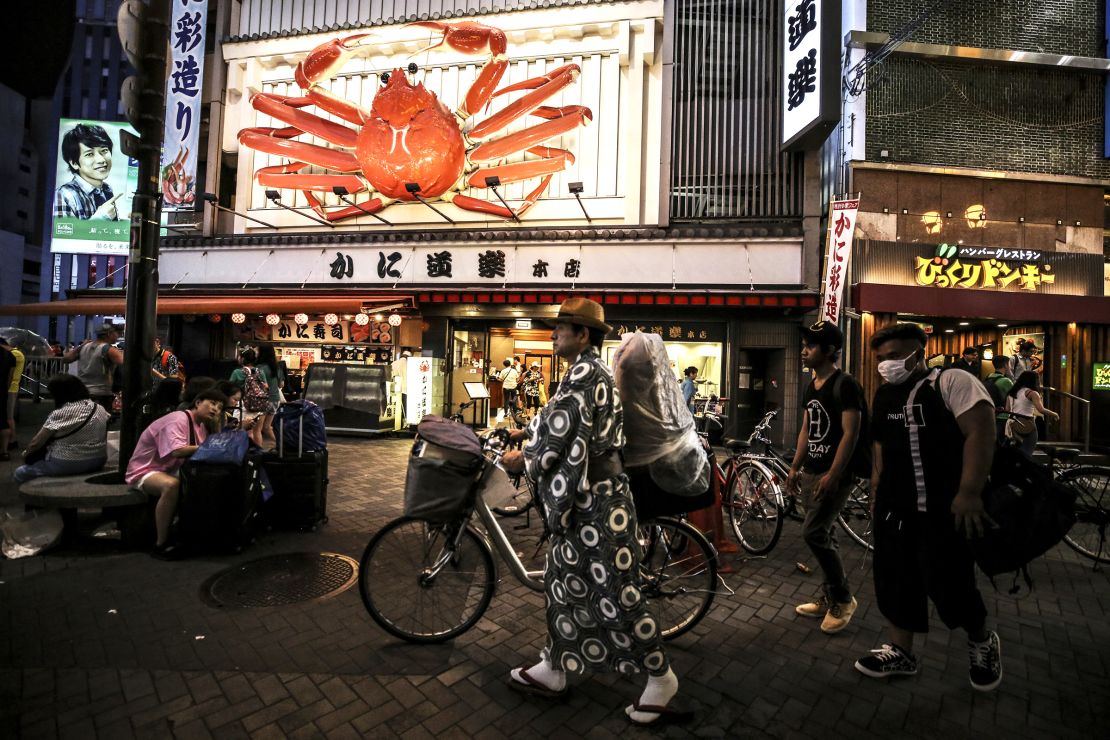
x,y
362,319
214,318
331,319
238,318
301,318
394,319
273,319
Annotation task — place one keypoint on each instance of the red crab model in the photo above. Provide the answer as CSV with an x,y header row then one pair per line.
x,y
409,136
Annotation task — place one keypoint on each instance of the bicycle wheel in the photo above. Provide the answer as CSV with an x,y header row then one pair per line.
x,y
753,511
855,517
679,571
409,596
1088,536
521,500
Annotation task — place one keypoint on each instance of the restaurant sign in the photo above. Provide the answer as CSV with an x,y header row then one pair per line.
x,y
945,270
1100,379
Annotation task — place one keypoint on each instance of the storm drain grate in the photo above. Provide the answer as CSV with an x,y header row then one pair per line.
x,y
279,580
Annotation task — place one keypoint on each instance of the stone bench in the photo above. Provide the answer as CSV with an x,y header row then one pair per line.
x,y
133,510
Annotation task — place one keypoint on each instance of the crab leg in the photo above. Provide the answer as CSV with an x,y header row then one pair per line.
x,y
323,63
554,160
484,206
320,156
285,109
545,87
469,37
569,119
373,205
285,176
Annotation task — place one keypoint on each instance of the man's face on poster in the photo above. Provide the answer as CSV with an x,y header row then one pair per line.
x,y
93,164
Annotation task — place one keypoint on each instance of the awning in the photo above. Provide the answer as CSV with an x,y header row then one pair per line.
x,y
275,302
959,303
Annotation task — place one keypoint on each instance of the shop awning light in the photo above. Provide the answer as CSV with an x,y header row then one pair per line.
x,y
414,189
493,182
342,193
275,197
211,198
576,189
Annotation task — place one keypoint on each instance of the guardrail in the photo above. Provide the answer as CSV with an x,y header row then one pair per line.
x,y
1085,406
36,372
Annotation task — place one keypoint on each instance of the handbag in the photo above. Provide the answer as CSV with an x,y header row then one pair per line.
x,y
37,456
223,447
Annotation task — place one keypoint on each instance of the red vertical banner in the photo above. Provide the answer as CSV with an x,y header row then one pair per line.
x,y
842,227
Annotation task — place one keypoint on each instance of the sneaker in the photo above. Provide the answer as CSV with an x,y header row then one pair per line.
x,y
889,660
817,608
838,617
986,663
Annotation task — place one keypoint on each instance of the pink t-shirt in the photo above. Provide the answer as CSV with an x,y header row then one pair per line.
x,y
154,450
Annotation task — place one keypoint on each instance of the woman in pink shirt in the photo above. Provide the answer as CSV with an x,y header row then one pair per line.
x,y
161,450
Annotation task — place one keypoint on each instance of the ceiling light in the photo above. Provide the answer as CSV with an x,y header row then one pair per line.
x,y
949,331
1002,326
964,323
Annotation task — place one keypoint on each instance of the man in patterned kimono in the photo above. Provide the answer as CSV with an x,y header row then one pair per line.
x,y
597,616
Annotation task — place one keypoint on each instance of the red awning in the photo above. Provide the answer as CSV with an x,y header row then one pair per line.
x,y
313,303
956,302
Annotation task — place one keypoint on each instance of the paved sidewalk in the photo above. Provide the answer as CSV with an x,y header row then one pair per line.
x,y
114,644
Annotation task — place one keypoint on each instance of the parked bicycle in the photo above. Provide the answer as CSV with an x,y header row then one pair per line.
x,y
426,582
1091,484
754,477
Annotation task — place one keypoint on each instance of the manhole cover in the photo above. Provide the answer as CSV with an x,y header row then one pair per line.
x,y
279,580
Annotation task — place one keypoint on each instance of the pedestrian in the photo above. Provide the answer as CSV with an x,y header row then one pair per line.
x,y
7,371
1023,402
73,439
969,361
998,385
597,615
509,378
1023,361
532,385
275,375
689,390
96,361
933,435
164,363
252,379
822,471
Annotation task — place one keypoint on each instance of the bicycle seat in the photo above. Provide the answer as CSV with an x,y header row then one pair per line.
x,y
1063,454
737,445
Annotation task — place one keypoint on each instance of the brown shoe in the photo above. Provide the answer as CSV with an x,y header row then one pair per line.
x,y
816,609
838,617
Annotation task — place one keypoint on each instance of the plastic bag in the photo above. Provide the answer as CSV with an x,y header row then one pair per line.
x,y
658,427
26,533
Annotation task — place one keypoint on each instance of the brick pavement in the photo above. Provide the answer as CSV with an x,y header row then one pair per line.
x,y
115,644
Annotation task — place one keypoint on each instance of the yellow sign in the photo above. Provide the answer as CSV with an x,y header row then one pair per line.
x,y
990,274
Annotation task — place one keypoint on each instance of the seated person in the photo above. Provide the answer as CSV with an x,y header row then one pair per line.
x,y
192,388
234,414
74,436
161,450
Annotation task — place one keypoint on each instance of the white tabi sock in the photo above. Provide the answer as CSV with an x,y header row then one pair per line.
x,y
543,672
658,693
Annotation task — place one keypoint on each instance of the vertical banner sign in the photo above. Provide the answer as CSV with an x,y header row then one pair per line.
x,y
183,93
842,225
418,388
810,71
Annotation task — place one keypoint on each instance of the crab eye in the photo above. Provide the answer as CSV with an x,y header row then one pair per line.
x,y
412,68
385,78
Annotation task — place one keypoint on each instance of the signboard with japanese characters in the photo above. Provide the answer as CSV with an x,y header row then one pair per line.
x,y
842,226
94,185
1100,376
673,331
811,72
418,388
183,101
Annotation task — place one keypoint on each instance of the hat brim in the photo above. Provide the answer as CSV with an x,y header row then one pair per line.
x,y
577,321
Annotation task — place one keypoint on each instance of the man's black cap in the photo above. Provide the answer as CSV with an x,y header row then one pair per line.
x,y
824,333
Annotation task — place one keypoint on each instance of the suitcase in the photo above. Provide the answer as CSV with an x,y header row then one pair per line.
x,y
218,506
300,484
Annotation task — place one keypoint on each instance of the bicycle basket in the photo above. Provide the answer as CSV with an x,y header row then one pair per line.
x,y
445,463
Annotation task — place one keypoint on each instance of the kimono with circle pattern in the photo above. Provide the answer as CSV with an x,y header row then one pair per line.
x,y
597,616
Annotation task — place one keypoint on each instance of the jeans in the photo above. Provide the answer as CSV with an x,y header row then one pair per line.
x,y
46,467
818,531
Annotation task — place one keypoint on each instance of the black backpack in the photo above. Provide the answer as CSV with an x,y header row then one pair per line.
x,y
860,465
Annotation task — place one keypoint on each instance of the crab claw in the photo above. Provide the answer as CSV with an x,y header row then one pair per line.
x,y
323,63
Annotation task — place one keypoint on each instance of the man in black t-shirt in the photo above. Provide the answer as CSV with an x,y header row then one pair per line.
x,y
934,442
821,470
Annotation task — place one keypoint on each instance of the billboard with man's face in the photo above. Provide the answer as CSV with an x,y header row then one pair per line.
x,y
94,186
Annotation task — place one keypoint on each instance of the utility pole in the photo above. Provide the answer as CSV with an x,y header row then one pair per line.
x,y
144,31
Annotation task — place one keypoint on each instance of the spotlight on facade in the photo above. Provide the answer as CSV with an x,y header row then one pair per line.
x,y
576,189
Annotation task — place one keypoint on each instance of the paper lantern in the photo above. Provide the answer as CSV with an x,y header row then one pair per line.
x,y
273,319
394,319
301,318
214,318
362,319
238,318
331,319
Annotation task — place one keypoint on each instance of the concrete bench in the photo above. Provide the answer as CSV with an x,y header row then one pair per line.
x,y
133,510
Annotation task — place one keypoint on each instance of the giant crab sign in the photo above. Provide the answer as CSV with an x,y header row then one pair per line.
x,y
409,137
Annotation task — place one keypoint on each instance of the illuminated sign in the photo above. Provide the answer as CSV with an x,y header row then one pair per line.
x,y
183,92
95,182
810,72
1100,376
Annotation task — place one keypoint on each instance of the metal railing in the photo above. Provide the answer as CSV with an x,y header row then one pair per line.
x,y
36,372
1086,417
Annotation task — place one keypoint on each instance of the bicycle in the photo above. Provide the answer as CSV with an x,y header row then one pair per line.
x,y
757,502
1091,484
427,582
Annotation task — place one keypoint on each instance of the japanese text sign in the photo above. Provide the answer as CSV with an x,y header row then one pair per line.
x,y
183,101
810,69
842,225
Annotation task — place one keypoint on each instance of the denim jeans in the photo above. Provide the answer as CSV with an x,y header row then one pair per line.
x,y
819,534
46,467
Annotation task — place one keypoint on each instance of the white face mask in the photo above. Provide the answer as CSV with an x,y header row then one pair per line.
x,y
896,372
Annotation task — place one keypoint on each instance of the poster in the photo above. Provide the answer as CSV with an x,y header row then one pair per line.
x,y
1010,343
183,100
95,182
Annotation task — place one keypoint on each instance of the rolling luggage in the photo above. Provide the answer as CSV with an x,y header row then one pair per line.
x,y
219,504
299,476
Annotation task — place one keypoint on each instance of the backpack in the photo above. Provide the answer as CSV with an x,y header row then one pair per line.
x,y
860,466
998,398
256,392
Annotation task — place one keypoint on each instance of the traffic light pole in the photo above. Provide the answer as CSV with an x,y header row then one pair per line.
x,y
144,31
